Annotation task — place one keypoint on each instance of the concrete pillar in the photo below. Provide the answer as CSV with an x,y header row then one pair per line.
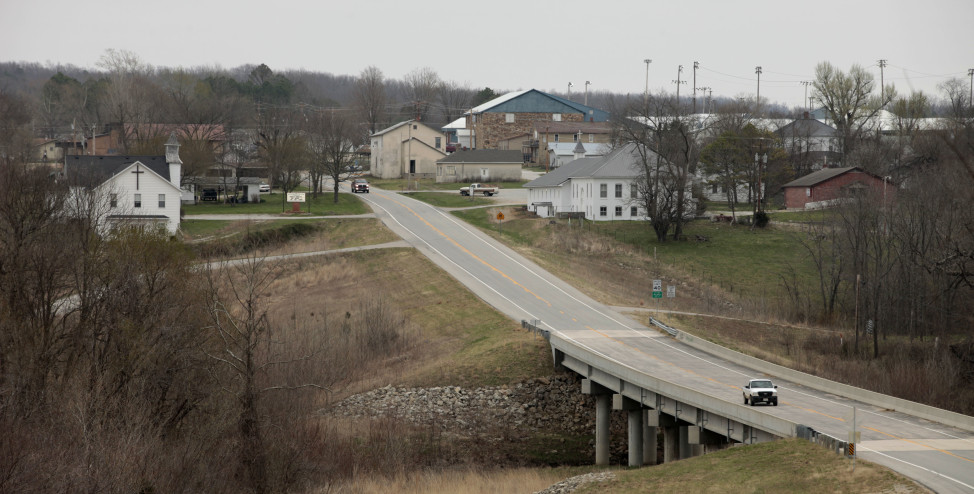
x,y
635,431
649,438
671,443
602,411
684,443
636,438
603,408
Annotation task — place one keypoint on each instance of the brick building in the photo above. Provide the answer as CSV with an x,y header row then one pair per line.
x,y
511,118
828,185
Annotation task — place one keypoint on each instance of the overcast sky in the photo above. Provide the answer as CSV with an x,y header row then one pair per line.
x,y
518,44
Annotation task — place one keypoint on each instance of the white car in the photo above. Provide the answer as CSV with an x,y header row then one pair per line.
x,y
760,390
265,187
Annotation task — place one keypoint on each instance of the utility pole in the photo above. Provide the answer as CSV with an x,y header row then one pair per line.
x,y
646,94
569,90
970,102
678,82
696,65
706,102
806,83
882,85
757,70
586,92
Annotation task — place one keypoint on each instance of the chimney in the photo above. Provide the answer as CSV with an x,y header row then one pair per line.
x,y
172,157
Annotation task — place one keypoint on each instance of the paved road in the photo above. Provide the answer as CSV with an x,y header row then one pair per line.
x,y
940,457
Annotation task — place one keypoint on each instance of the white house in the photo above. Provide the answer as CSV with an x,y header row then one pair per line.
x,y
137,190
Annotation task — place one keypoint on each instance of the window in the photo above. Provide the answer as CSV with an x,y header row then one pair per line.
x,y
509,117
603,211
633,211
619,190
556,137
713,189
162,201
556,117
603,190
574,137
437,143
138,200
619,211
633,191
114,200
591,138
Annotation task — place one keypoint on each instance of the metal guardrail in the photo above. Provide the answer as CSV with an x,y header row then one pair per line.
x,y
534,327
829,442
671,331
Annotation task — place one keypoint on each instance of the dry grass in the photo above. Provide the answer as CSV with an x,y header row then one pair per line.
x,y
457,481
790,465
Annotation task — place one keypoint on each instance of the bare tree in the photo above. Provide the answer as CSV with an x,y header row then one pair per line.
x,y
422,90
454,100
848,100
331,135
370,96
646,131
132,96
250,356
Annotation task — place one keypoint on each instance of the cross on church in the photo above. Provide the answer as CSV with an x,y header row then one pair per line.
x,y
137,172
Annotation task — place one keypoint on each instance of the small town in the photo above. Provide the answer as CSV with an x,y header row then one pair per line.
x,y
259,278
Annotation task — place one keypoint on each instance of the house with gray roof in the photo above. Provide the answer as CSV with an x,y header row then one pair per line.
x,y
605,188
480,165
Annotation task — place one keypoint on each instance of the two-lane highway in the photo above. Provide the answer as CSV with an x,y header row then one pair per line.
x,y
940,457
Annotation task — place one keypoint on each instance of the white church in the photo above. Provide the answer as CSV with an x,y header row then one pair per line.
x,y
132,190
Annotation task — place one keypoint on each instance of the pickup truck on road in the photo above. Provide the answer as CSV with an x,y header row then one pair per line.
x,y
484,189
760,390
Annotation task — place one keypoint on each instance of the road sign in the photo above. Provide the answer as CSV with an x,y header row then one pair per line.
x,y
295,197
500,216
670,291
657,285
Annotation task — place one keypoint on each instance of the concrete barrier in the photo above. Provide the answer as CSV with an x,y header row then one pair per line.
x,y
928,412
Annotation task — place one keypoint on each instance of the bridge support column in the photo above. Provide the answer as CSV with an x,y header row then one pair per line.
x,y
603,409
635,432
671,443
650,440
685,450
671,434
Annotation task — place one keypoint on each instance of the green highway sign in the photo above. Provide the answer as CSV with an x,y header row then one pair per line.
x,y
658,294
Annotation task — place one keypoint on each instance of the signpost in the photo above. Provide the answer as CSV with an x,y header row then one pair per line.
x,y
500,218
657,293
295,198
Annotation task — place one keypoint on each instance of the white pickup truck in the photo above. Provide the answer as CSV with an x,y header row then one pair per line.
x,y
484,189
760,390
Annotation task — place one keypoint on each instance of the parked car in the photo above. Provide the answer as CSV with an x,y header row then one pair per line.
x,y
760,390
265,187
360,185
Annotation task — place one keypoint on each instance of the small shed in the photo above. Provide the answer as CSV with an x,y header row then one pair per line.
x,y
826,186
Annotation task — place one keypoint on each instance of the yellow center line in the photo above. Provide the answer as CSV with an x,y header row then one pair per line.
x,y
468,252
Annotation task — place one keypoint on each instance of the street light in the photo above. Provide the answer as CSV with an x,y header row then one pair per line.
x,y
757,70
646,94
586,92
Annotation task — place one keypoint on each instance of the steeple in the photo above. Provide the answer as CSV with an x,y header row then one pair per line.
x,y
172,157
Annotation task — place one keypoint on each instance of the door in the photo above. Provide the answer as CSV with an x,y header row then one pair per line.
x,y
412,166
484,174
